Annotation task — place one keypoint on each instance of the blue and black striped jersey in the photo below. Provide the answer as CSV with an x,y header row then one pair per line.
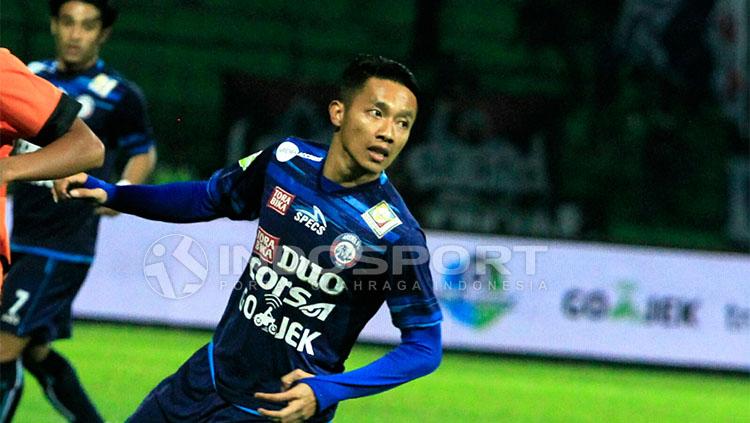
x,y
324,260
115,109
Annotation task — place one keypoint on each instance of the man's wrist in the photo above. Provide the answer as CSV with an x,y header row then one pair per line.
x,y
94,183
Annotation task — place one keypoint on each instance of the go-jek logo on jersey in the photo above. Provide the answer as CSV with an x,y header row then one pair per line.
x,y
313,220
279,290
476,297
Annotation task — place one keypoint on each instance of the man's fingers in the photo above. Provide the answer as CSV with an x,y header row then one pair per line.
x,y
288,379
280,397
105,211
290,413
270,413
97,194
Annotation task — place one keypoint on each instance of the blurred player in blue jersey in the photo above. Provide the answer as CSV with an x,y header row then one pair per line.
x,y
53,244
334,242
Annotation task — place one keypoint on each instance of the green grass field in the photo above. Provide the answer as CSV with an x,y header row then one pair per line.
x,y
120,364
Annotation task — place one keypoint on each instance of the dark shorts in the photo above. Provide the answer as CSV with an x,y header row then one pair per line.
x,y
189,396
37,296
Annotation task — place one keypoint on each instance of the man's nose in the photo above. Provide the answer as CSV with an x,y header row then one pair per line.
x,y
76,31
386,131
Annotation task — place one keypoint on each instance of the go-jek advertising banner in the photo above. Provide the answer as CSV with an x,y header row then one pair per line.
x,y
497,294
594,301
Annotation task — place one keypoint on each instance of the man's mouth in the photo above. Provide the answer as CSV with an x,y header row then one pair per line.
x,y
378,153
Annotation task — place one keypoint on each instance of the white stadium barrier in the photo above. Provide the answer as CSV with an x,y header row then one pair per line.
x,y
498,294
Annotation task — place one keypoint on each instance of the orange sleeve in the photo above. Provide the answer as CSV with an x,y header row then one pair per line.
x,y
26,100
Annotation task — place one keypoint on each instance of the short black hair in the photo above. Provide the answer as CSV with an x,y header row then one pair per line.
x,y
106,9
366,66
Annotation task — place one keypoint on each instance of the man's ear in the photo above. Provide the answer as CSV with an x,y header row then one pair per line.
x,y
53,26
336,113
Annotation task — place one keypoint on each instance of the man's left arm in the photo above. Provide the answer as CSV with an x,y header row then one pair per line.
x,y
415,311
418,354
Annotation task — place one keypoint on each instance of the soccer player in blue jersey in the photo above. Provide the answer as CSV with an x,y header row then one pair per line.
x,y
53,244
334,242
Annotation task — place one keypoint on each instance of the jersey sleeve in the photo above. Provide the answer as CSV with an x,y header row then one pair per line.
x,y
134,131
32,108
411,299
236,190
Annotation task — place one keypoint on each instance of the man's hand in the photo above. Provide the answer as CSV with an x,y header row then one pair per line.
x,y
106,211
301,399
67,188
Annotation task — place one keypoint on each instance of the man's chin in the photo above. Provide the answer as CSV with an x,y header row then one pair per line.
x,y
74,62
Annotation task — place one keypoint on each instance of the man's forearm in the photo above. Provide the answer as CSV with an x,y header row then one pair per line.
x,y
417,355
78,150
179,202
139,167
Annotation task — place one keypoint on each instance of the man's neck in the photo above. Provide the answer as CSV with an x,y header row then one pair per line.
x,y
341,168
75,67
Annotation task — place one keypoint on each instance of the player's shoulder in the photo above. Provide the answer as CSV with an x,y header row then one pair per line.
x,y
39,67
108,82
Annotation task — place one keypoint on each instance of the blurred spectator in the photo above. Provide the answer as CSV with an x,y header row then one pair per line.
x,y
301,119
477,180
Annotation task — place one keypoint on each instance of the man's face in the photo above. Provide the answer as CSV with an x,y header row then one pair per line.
x,y
78,34
375,125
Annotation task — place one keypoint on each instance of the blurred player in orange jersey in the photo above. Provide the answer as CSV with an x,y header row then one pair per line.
x,y
53,244
32,108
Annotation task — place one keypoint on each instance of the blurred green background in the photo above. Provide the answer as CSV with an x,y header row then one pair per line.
x,y
641,154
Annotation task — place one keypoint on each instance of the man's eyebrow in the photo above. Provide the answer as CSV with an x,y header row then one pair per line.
x,y
87,20
386,107
382,105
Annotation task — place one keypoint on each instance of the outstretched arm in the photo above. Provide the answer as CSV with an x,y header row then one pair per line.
x,y
179,202
418,354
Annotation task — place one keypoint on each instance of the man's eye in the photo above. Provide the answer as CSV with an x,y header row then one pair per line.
x,y
376,113
403,124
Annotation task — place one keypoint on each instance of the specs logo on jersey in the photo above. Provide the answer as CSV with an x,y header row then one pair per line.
x,y
265,245
280,201
313,220
381,219
346,250
286,151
